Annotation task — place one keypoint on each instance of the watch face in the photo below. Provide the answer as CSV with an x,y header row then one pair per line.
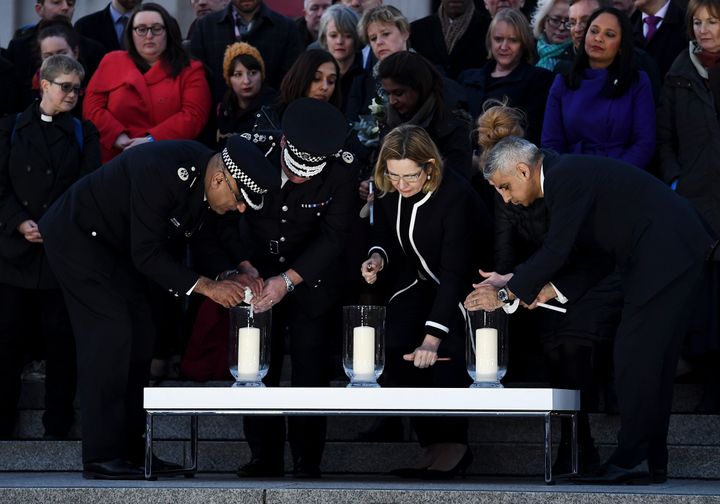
x,y
502,295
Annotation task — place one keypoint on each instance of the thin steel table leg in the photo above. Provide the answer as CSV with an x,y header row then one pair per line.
x,y
575,448
148,445
548,449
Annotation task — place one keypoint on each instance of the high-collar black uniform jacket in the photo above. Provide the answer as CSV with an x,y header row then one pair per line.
x,y
133,206
305,227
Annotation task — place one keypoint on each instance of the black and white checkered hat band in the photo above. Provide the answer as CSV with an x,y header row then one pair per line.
x,y
239,175
301,163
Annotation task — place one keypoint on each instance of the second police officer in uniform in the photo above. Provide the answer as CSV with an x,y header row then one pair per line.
x,y
298,237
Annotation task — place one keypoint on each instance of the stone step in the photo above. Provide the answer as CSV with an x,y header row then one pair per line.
x,y
685,429
515,459
26,488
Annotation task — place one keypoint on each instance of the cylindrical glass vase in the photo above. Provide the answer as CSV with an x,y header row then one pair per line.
x,y
487,347
363,344
249,345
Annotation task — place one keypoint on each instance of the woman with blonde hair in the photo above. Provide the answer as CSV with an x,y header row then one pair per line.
x,y
550,27
427,239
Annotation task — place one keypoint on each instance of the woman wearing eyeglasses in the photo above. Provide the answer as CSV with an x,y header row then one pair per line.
x,y
152,91
43,150
426,241
549,23
605,105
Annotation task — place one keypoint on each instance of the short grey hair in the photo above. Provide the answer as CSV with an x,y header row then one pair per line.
x,y
60,64
345,20
508,153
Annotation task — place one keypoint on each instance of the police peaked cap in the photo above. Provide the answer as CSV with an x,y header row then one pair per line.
x,y
252,172
314,131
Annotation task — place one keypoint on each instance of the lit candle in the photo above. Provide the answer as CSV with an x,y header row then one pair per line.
x,y
364,353
486,361
248,353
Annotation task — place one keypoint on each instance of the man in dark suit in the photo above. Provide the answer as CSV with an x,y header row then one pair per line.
x,y
23,48
109,231
453,38
659,245
275,36
659,27
298,239
107,26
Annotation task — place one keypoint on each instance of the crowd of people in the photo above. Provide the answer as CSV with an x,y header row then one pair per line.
x,y
485,156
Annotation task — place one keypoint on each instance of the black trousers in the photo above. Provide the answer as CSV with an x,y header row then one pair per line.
x,y
405,331
645,355
22,311
114,334
308,344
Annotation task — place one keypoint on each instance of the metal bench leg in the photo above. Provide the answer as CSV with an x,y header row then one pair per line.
x,y
575,448
148,445
548,449
193,443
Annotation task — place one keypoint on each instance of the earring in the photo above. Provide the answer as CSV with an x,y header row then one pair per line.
x,y
429,177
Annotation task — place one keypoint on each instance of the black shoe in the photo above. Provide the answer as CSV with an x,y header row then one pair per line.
x,y
115,469
256,468
658,475
306,471
610,474
160,466
460,468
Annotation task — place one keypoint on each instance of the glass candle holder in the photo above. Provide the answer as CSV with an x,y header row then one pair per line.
x,y
487,347
249,345
363,344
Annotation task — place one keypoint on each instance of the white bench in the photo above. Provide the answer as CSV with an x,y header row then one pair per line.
x,y
337,401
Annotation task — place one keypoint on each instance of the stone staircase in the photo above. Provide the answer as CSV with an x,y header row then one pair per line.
x,y
502,446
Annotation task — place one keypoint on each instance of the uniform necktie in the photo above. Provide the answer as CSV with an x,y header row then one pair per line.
x,y
652,26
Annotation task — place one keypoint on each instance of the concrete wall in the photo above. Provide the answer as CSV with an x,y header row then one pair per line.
x,y
17,13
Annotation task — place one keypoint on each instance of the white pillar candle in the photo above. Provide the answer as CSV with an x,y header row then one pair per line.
x,y
486,354
248,353
364,353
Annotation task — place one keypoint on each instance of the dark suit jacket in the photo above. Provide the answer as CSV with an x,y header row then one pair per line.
x,y
426,37
449,245
652,234
669,40
274,35
99,26
132,207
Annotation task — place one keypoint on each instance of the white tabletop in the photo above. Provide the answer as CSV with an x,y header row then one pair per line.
x,y
329,400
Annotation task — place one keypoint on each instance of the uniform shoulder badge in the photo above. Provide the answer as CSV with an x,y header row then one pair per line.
x,y
347,157
183,174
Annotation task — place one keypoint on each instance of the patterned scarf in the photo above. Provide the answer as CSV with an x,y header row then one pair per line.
x,y
548,53
453,29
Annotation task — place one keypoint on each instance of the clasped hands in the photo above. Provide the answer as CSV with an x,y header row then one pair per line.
x,y
29,229
484,296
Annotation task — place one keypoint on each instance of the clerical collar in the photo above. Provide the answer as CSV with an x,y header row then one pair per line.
x,y
46,118
542,179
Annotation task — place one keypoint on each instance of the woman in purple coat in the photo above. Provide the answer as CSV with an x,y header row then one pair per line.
x,y
604,106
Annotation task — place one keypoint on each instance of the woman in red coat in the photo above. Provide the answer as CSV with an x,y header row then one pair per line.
x,y
152,91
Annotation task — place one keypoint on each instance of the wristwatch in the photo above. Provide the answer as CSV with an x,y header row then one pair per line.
x,y
504,296
288,283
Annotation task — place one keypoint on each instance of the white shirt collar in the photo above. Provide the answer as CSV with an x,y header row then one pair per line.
x,y
542,179
660,13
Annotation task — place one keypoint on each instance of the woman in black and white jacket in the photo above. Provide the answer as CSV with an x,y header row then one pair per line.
x,y
427,239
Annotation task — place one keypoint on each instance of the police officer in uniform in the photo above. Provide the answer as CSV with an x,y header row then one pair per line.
x,y
106,232
299,236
